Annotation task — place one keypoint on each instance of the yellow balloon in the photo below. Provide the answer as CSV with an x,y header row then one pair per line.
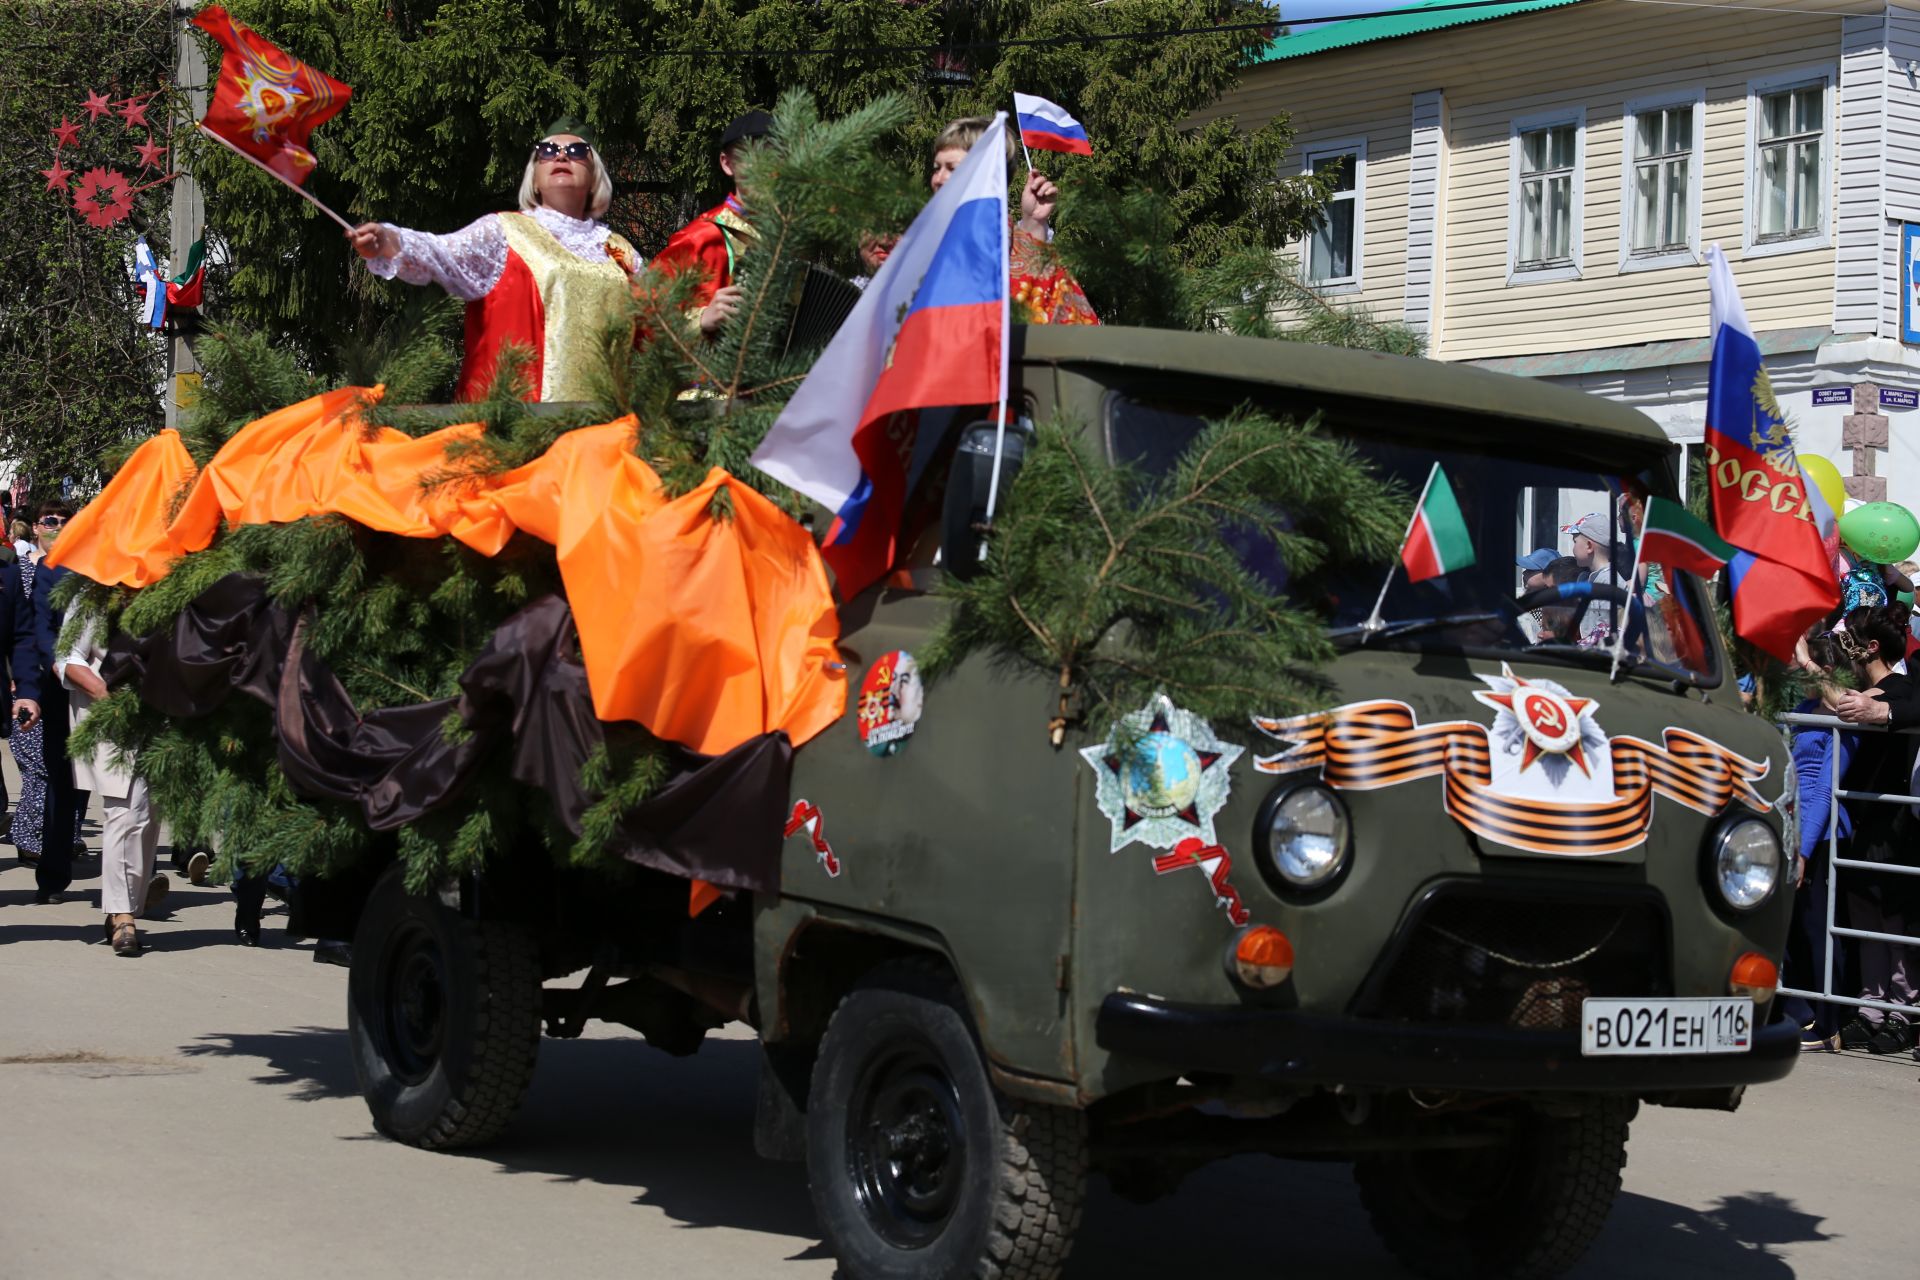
x,y
1827,477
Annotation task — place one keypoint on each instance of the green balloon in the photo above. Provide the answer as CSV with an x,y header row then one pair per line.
x,y
1883,532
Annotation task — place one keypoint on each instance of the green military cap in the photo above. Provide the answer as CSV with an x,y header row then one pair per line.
x,y
578,128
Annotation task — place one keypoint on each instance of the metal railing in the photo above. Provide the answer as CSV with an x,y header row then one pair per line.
x,y
1835,862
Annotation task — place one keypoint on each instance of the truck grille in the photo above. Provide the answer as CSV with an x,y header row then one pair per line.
x,y
1476,954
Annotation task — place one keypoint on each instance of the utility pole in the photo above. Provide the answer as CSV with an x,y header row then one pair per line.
x,y
187,219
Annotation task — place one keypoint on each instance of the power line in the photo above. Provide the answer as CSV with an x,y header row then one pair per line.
x,y
1017,42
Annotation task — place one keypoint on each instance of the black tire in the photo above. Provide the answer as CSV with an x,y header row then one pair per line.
x,y
444,1015
1529,1208
922,1170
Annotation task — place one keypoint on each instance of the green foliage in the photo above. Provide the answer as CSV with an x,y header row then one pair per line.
x,y
1122,583
77,367
1130,250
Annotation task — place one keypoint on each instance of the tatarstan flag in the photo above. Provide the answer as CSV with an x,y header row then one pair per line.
x,y
1670,535
1437,540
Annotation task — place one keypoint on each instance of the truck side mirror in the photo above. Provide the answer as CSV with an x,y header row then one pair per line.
x,y
963,519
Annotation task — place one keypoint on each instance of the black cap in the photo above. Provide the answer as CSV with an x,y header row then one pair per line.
x,y
754,124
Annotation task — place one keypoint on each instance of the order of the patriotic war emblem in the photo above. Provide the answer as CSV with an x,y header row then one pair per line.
x,y
1162,775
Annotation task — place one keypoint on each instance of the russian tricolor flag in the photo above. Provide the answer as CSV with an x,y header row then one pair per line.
x,y
930,330
1046,126
153,307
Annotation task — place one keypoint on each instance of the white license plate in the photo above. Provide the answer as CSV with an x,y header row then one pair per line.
x,y
1692,1024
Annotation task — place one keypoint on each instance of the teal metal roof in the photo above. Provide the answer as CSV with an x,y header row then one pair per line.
x,y
1429,15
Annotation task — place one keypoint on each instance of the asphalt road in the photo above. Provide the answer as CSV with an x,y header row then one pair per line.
x,y
193,1113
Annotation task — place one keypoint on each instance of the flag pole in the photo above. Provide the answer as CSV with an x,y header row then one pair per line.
x,y
1006,339
1626,608
1373,623
297,189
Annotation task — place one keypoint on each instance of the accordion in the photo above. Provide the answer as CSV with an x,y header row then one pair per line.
x,y
821,301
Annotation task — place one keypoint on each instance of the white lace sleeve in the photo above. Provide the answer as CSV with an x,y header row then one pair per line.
x,y
466,263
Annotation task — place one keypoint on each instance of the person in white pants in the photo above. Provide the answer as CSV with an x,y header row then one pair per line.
x,y
129,835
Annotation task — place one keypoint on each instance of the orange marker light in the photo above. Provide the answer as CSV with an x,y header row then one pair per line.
x,y
1263,957
1754,975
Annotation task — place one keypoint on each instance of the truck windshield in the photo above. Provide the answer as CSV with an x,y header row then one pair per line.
x,y
1553,544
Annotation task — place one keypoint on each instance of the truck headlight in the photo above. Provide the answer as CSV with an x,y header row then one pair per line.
x,y
1305,835
1746,863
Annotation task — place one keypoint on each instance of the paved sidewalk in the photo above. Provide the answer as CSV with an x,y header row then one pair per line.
x,y
193,1113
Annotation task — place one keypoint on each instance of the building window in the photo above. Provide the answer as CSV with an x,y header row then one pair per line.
x,y
1332,253
1660,176
1546,196
1790,158
1544,241
1662,179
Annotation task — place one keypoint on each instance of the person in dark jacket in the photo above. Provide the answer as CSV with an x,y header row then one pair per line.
x,y
1875,638
64,804
19,649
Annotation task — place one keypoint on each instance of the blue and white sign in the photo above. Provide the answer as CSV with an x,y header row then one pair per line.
x,y
1833,395
1899,398
1910,283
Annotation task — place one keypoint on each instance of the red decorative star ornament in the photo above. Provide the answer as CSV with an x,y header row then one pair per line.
x,y
97,105
103,197
152,154
134,112
1549,722
57,176
66,132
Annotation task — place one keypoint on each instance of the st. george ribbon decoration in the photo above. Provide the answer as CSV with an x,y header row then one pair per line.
x,y
1544,778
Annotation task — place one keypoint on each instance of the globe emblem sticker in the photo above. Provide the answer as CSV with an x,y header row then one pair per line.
x,y
1161,775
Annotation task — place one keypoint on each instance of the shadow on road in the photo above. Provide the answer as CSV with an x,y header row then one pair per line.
x,y
679,1132
315,1062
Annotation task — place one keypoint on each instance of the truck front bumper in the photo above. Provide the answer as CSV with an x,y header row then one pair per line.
x,y
1287,1046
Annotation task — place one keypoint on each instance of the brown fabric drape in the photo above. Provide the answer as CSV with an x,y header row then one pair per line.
x,y
718,820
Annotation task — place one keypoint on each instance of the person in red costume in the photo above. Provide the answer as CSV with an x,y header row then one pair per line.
x,y
712,242
546,279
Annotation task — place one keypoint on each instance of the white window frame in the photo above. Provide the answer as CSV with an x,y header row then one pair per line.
x,y
1576,239
1642,260
1357,147
1821,237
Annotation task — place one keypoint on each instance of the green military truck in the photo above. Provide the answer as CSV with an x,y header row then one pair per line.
x,y
1524,874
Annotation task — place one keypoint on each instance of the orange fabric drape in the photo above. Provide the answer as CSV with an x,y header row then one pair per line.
x,y
122,537
709,632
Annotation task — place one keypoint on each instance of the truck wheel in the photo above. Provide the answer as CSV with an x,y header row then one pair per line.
x,y
920,1168
1527,1208
444,1014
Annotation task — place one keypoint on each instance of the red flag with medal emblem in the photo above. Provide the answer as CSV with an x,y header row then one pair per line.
x,y
267,101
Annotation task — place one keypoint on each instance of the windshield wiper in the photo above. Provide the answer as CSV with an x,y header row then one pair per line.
x,y
1649,668
1388,630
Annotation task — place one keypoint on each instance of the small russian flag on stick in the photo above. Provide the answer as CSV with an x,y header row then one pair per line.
x,y
1046,126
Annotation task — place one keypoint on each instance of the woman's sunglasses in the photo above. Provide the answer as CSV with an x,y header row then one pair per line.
x,y
52,522
553,150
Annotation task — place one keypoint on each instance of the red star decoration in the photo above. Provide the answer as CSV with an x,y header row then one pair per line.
x,y
103,197
66,131
152,154
96,106
134,112
1531,752
57,176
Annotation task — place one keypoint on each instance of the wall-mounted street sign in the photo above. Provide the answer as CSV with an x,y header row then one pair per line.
x,y
1899,398
1832,395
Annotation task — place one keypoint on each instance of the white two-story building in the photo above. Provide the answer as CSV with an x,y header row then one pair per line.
x,y
1533,185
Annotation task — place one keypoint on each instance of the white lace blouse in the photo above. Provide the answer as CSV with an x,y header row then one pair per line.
x,y
468,262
